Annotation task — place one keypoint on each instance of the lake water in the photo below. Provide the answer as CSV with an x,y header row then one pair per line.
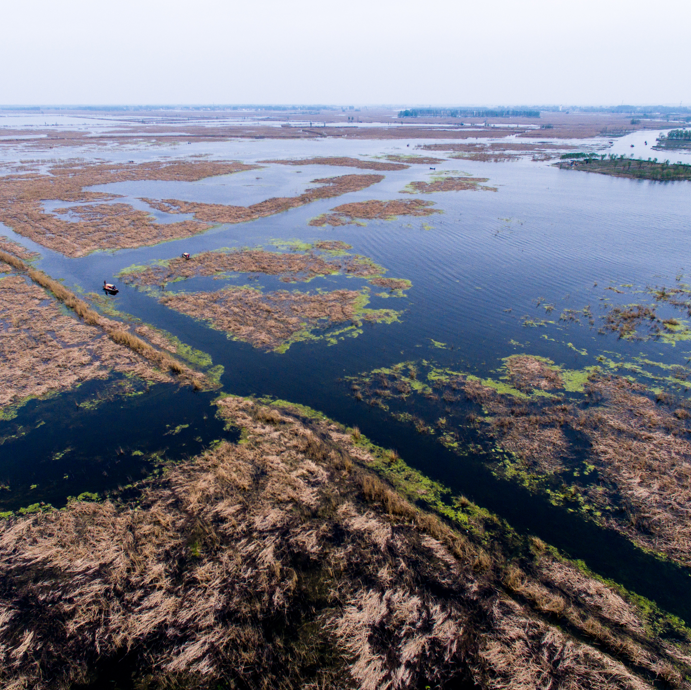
x,y
477,270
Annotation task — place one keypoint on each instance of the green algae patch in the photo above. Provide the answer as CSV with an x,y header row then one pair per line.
x,y
292,245
439,345
576,379
503,388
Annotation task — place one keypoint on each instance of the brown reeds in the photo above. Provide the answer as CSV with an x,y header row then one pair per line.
x,y
449,184
290,266
244,565
221,213
344,162
371,210
11,247
274,320
101,225
636,440
112,329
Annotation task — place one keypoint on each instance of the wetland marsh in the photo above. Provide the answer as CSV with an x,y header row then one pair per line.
x,y
441,436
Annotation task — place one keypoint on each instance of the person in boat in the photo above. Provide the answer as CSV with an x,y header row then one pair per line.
x,y
109,287
186,255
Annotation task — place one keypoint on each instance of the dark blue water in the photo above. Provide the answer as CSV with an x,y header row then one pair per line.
x,y
478,268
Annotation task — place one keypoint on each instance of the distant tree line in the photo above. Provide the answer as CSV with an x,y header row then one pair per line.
x,y
679,134
466,112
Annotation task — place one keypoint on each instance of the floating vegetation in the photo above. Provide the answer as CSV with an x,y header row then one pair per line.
x,y
414,159
301,265
347,214
344,162
100,225
222,213
448,183
276,320
499,151
556,431
647,319
7,245
294,534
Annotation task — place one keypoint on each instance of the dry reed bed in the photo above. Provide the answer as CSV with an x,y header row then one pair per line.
x,y
499,147
640,448
344,162
8,246
449,184
280,563
415,160
370,210
497,152
533,433
528,373
103,225
291,266
273,320
221,213
45,350
639,443
643,448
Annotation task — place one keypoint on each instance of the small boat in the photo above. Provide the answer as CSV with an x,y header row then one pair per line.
x,y
186,255
110,288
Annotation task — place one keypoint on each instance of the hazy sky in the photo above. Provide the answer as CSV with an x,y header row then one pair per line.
x,y
345,51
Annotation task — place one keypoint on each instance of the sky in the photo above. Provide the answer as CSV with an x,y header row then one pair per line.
x,y
345,52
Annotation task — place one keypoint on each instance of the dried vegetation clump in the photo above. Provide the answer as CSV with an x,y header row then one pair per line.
x,y
346,163
391,283
639,446
7,245
101,225
633,321
449,184
642,448
501,151
370,210
42,349
221,213
528,373
637,442
273,320
332,245
291,266
415,160
534,433
283,563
